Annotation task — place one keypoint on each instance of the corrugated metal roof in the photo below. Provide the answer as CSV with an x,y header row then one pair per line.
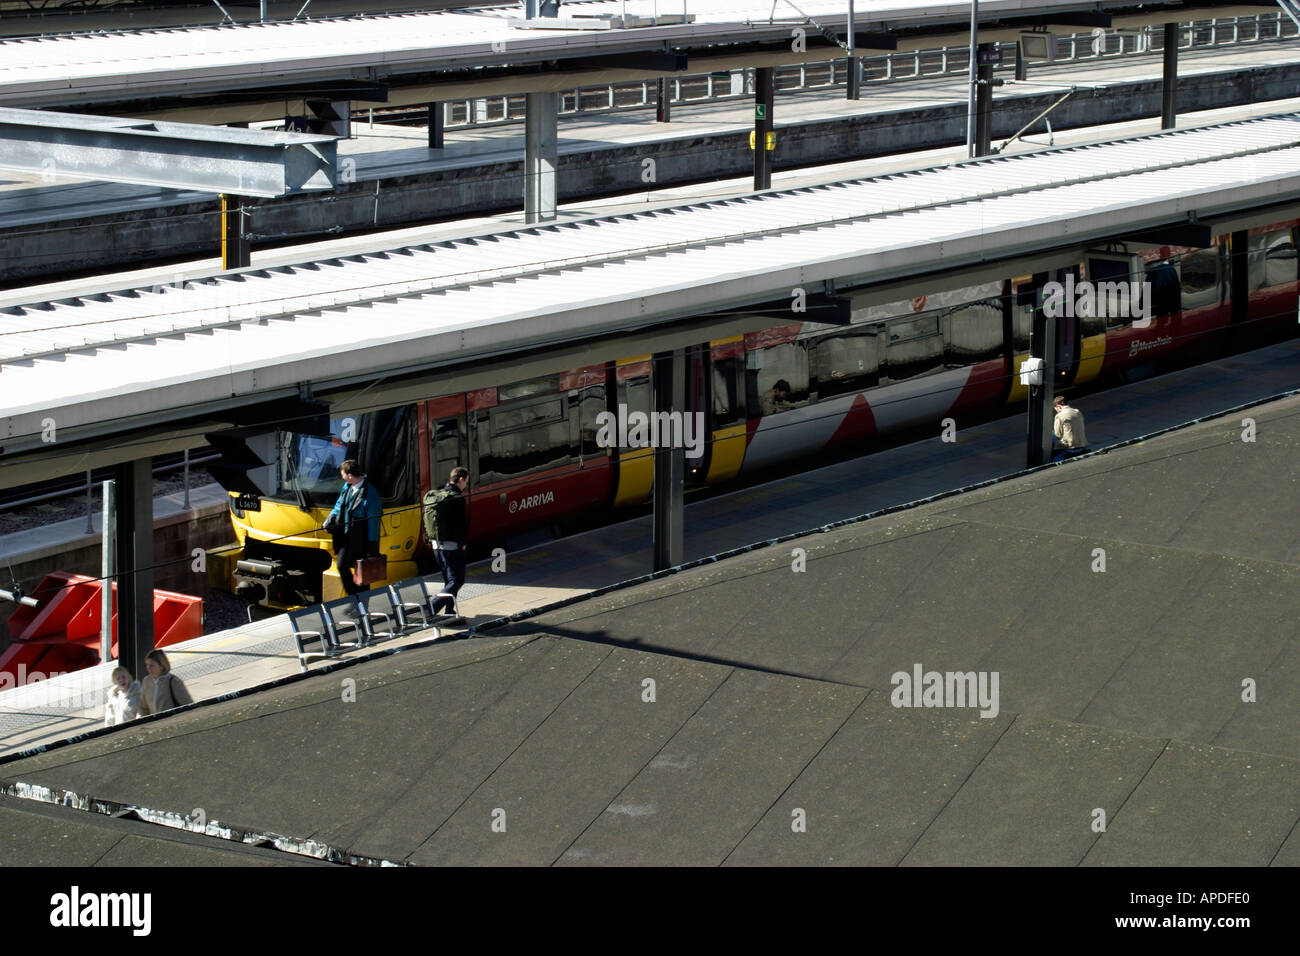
x,y
264,52
106,357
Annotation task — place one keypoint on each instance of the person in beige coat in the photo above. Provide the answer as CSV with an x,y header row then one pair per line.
x,y
161,690
1067,426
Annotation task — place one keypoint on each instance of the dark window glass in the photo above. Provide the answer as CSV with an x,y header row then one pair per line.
x,y
914,346
843,362
448,448
776,378
590,402
517,440
508,418
1103,273
1200,276
1022,325
727,408
383,445
1272,259
1166,289
634,393
973,333
386,453
519,390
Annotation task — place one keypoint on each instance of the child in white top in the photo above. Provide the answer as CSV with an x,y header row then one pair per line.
x,y
123,698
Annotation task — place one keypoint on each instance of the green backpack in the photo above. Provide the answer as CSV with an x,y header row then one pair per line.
x,y
434,503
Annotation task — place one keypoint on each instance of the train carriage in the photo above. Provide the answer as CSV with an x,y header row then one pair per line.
x,y
534,451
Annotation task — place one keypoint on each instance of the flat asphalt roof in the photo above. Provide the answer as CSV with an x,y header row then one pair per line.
x,y
1156,695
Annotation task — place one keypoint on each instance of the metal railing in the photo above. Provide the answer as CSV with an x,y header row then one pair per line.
x,y
699,89
87,487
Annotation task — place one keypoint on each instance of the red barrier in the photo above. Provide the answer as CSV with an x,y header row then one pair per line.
x,y
61,633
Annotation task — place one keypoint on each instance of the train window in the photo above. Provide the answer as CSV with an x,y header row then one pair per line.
x,y
973,333
448,445
727,407
634,394
841,362
914,347
516,440
508,418
1166,289
538,386
383,444
386,450
1272,259
1199,272
912,328
590,402
1108,270
784,365
1022,325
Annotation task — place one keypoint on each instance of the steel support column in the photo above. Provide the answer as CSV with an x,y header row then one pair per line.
x,y
663,101
134,564
1042,344
984,99
236,252
108,551
970,106
437,120
668,385
763,97
540,156
851,64
541,137
1169,84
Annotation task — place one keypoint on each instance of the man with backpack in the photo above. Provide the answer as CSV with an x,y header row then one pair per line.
x,y
446,525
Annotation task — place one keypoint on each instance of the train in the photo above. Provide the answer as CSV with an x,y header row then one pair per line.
x,y
788,392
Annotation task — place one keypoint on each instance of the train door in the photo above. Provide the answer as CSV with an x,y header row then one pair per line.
x,y
1264,285
1108,327
446,441
698,449
635,467
1069,321
1020,298
725,410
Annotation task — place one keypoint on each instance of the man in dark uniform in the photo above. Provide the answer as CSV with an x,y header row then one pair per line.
x,y
355,522
449,549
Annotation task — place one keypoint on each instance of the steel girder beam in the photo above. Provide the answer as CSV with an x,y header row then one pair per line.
x,y
215,159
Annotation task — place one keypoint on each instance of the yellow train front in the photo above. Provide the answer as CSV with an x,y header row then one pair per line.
x,y
284,559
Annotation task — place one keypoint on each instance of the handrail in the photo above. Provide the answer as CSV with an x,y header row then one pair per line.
x,y
700,88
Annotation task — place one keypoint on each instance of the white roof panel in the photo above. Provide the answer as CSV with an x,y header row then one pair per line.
x,y
95,361
260,53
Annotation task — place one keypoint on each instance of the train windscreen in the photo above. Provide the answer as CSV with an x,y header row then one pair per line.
x,y
382,443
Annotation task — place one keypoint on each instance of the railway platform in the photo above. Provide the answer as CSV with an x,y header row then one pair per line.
x,y
697,718
260,653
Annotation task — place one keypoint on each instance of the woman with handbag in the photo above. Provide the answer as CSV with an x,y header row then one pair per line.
x,y
161,690
354,522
